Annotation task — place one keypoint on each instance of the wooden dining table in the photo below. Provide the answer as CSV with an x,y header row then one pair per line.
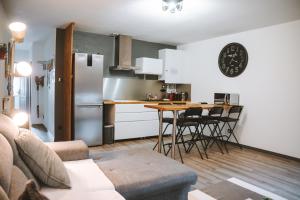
x,y
175,108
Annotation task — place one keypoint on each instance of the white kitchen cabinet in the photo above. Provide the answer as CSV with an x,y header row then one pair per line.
x,y
135,129
135,121
173,65
148,66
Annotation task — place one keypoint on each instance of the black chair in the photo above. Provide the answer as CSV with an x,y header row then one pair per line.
x,y
212,122
189,119
231,121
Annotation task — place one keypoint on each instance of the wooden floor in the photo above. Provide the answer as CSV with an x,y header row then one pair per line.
x,y
273,173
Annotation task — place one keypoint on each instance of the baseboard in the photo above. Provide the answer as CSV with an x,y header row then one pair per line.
x,y
266,151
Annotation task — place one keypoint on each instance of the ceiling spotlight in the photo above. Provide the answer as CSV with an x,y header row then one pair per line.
x,y
172,5
23,68
18,31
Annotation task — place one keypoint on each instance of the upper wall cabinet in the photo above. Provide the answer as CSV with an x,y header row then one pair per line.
x,y
173,66
148,66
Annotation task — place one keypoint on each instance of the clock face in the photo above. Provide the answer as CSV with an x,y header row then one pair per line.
x,y
233,59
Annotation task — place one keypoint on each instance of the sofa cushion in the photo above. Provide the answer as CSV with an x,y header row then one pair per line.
x,y
31,192
70,150
3,195
18,183
9,130
88,182
6,164
85,175
83,195
139,173
43,162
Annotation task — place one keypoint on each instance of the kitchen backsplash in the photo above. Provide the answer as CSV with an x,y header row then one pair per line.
x,y
136,89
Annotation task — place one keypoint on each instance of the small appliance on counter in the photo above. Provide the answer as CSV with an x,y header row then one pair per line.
x,y
181,96
226,98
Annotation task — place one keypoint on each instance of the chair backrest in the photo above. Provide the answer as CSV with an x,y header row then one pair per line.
x,y
216,111
193,112
235,111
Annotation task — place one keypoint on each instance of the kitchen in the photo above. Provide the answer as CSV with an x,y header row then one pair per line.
x,y
133,75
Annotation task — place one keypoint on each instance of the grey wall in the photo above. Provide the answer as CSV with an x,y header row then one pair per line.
x,y
103,44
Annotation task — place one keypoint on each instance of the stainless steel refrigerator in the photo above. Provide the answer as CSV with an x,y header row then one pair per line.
x,y
88,98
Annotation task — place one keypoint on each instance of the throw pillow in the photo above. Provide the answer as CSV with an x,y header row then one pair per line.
x,y
3,195
31,192
42,161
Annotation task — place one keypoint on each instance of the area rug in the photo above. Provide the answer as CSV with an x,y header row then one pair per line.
x,y
233,189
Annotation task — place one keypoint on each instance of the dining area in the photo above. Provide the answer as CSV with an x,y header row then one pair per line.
x,y
198,126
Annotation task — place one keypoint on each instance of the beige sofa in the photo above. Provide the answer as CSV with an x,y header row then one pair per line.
x,y
87,180
132,174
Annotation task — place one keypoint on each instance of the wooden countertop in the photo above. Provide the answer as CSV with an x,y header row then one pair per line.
x,y
112,102
185,106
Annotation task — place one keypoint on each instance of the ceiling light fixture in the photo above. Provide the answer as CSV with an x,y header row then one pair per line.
x,y
172,5
18,31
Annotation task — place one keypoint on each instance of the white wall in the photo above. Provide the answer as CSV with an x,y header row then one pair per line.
x,y
43,51
22,55
37,70
4,38
49,53
268,88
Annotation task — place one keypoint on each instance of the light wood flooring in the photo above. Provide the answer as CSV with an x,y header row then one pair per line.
x,y
273,173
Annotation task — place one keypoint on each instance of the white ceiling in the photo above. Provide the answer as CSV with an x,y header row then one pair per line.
x,y
145,20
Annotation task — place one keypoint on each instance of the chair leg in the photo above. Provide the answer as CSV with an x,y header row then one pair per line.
x,y
180,154
182,139
203,146
219,134
231,133
195,136
200,151
163,135
215,139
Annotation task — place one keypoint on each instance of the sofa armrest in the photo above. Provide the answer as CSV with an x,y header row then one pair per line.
x,y
70,150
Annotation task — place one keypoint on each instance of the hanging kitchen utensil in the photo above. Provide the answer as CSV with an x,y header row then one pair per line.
x,y
39,81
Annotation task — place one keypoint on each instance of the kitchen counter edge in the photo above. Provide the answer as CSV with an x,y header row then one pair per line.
x,y
112,102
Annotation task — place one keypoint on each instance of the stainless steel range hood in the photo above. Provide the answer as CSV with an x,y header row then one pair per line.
x,y
123,53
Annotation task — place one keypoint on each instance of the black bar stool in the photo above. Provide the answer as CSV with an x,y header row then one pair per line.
x,y
187,119
211,121
231,121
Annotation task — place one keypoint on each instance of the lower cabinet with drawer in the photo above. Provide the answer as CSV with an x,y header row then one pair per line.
x,y
135,129
135,121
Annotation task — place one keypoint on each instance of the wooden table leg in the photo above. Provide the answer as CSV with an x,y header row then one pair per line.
x,y
174,134
160,113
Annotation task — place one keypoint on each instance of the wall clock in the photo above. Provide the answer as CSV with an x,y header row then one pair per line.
x,y
233,59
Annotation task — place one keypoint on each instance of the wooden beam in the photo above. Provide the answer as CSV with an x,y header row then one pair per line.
x,y
68,76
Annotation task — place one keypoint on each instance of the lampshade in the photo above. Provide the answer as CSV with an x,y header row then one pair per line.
x,y
23,69
20,118
18,31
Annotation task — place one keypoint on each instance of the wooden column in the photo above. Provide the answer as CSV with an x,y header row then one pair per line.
x,y
68,76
